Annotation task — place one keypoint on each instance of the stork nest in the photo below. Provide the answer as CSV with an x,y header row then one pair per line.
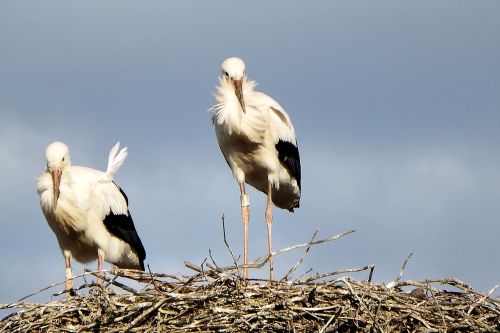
x,y
217,299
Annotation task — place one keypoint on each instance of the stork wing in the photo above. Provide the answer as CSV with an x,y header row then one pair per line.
x,y
288,154
284,138
122,226
118,220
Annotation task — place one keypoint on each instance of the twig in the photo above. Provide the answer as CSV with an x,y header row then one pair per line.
x,y
227,245
50,286
212,259
116,283
261,261
439,309
395,282
351,290
202,269
403,267
154,282
372,329
143,316
301,278
193,267
482,299
299,262
370,276
332,318
340,271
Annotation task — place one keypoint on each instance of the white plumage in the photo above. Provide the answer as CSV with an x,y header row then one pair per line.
x,y
88,212
257,139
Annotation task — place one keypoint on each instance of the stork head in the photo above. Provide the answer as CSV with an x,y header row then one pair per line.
x,y
57,155
233,70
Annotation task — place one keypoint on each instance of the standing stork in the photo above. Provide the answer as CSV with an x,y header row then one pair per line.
x,y
88,212
258,141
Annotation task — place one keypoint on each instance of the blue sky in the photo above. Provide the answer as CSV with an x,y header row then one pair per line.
x,y
396,106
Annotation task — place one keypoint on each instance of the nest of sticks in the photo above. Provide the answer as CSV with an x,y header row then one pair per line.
x,y
216,299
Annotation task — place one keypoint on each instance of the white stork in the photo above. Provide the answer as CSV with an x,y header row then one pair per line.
x,y
88,212
258,141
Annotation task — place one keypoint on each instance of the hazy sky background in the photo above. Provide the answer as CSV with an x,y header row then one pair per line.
x,y
396,106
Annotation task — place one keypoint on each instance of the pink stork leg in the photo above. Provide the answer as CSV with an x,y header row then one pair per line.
x,y
100,256
269,221
68,275
245,216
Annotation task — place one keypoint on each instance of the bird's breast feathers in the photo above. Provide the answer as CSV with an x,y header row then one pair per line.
x,y
229,117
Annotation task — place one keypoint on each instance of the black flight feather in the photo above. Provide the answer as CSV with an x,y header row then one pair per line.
x,y
288,154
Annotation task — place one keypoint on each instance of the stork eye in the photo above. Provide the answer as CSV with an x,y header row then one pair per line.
x,y
63,159
226,74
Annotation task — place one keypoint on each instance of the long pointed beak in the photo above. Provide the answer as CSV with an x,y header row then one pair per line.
x,y
56,181
238,89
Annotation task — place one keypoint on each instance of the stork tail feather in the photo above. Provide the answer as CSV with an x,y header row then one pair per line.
x,y
116,159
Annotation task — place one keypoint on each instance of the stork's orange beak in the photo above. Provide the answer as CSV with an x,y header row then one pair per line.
x,y
238,89
56,181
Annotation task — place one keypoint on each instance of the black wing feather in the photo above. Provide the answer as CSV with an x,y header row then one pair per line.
x,y
122,226
288,154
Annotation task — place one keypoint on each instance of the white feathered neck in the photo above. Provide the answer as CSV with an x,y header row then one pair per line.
x,y
227,111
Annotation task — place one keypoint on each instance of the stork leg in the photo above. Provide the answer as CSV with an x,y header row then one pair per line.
x,y
68,274
100,256
269,221
245,216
